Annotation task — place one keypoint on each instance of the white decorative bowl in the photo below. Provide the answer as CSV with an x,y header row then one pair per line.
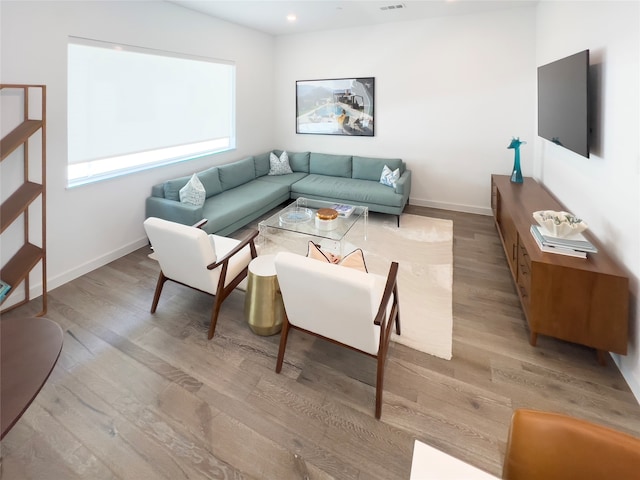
x,y
326,225
559,224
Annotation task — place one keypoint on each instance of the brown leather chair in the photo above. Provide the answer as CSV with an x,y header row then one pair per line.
x,y
548,446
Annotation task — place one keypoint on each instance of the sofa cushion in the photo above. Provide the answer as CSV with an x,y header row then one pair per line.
x,y
172,187
261,163
242,201
211,181
346,190
237,173
368,168
157,190
299,161
331,165
283,179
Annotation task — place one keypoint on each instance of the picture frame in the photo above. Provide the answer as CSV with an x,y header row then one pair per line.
x,y
338,106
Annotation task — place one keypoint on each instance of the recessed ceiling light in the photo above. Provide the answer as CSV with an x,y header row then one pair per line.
x,y
291,17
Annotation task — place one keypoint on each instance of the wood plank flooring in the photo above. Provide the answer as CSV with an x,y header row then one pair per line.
x,y
141,396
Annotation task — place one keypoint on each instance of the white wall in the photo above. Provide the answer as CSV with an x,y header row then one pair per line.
x,y
450,93
603,189
91,225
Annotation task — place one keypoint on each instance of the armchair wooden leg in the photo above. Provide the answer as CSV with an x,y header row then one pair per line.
x,y
283,344
156,295
214,316
220,296
379,383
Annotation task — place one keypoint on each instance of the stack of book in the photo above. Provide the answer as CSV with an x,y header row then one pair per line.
x,y
574,246
4,289
343,210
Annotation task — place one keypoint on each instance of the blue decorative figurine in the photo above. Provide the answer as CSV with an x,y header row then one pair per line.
x,y
516,176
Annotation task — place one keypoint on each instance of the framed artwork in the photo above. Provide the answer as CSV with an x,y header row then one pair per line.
x,y
339,106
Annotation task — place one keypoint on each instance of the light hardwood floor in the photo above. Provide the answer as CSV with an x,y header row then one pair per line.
x,y
141,396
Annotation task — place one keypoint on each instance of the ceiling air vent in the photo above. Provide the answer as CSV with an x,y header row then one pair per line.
x,y
395,6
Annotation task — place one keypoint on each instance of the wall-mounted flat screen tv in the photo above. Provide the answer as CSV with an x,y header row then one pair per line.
x,y
563,102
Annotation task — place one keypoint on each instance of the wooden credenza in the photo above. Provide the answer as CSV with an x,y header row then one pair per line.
x,y
584,301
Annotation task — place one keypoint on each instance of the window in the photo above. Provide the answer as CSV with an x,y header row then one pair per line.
x,y
131,109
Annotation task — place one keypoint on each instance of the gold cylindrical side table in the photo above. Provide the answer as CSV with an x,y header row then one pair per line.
x,y
263,307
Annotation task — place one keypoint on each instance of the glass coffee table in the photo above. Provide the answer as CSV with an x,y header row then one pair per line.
x,y
297,223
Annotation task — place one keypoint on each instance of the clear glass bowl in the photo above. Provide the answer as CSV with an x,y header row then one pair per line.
x,y
296,215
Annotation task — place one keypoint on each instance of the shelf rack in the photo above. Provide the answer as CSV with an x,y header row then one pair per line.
x,y
17,269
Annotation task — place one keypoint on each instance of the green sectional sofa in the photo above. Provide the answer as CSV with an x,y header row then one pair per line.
x,y
238,193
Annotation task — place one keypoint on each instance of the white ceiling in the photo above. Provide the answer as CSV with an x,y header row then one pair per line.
x,y
313,15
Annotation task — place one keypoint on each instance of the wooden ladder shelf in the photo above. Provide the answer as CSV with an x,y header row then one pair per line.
x,y
16,271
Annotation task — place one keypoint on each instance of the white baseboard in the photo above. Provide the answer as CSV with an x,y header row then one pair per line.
x,y
61,279
35,289
629,376
456,207
95,263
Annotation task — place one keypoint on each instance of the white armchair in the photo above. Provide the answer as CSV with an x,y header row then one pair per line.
x,y
209,263
346,306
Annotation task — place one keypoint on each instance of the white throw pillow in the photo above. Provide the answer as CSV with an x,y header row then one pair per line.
x,y
279,166
354,259
193,193
388,177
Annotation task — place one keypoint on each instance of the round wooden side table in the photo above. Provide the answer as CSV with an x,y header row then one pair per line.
x,y
30,347
263,307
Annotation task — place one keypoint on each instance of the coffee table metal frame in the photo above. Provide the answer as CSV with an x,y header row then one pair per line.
x,y
299,217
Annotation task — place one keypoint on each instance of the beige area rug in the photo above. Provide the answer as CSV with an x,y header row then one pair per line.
x,y
423,248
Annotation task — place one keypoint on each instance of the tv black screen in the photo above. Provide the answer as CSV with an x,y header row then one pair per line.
x,y
563,112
